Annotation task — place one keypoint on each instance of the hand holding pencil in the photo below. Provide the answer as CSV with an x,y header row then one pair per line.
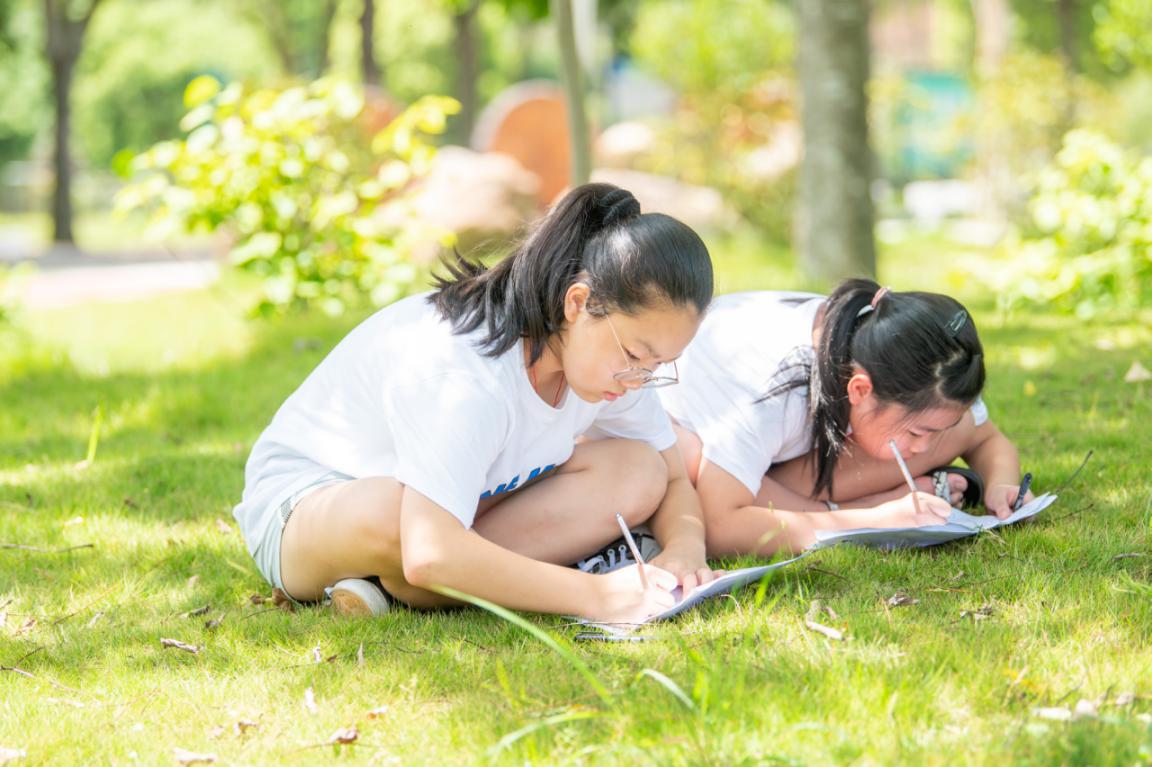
x,y
632,594
937,509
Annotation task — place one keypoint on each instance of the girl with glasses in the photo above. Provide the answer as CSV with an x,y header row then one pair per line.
x,y
789,405
436,446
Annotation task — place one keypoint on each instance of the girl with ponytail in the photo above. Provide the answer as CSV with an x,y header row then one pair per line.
x,y
789,403
436,446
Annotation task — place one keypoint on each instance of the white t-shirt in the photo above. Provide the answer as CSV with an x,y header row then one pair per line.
x,y
747,345
403,397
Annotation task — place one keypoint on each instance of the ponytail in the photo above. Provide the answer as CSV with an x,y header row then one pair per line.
x,y
595,234
921,350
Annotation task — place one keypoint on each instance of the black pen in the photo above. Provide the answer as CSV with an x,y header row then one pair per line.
x,y
1024,484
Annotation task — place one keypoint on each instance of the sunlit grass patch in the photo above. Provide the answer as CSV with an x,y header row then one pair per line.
x,y
1039,617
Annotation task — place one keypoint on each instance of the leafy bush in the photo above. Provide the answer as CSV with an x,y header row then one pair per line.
x,y
735,126
1091,248
313,192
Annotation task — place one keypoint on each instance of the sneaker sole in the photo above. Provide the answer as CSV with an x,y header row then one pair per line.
x,y
347,603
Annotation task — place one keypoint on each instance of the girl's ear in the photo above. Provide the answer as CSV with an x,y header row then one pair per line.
x,y
859,387
576,301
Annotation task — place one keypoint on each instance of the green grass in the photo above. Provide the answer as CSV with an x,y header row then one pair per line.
x,y
184,385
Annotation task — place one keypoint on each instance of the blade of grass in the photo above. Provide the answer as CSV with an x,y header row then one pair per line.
x,y
540,634
512,737
670,686
94,434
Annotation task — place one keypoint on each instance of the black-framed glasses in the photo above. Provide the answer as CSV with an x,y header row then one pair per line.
x,y
647,379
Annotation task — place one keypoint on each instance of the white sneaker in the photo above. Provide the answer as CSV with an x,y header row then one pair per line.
x,y
358,597
617,554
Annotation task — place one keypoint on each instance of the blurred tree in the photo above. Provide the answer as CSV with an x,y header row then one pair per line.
x,y
65,24
298,31
370,72
573,79
466,45
138,57
834,213
733,128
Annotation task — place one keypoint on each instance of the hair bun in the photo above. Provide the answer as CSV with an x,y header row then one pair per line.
x,y
618,205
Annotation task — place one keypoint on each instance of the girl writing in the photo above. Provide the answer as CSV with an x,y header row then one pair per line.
x,y
436,444
831,382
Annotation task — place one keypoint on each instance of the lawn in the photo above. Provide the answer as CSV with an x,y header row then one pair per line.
x,y
123,435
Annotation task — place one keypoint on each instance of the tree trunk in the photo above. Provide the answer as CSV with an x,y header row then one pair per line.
x,y
992,21
835,215
573,91
65,40
62,213
467,71
327,13
369,68
1067,11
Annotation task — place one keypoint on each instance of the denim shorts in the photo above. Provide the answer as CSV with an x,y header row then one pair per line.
x,y
267,553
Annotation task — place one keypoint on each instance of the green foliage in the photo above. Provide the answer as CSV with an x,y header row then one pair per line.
x,y
312,193
139,56
1024,110
736,104
25,89
714,51
1092,248
1038,27
1121,33
415,46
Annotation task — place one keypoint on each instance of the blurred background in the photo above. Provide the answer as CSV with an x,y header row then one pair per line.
x,y
331,148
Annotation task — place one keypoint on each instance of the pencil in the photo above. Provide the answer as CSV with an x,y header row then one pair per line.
x,y
633,548
907,474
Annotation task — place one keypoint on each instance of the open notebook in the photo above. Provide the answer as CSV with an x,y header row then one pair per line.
x,y
959,525
731,580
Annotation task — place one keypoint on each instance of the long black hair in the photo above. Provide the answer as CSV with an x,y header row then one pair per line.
x,y
921,350
595,234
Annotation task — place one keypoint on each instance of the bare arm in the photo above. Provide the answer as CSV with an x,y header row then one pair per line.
x,y
437,550
778,519
993,456
679,526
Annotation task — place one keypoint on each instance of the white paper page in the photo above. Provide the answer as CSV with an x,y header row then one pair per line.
x,y
959,525
730,581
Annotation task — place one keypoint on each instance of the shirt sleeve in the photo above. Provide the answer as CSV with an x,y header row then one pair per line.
x,y
744,434
448,431
638,415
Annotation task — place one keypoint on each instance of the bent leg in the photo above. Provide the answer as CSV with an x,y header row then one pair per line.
x,y
352,529
563,517
348,530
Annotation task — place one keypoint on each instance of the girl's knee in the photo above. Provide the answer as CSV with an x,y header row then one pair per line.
x,y
642,480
